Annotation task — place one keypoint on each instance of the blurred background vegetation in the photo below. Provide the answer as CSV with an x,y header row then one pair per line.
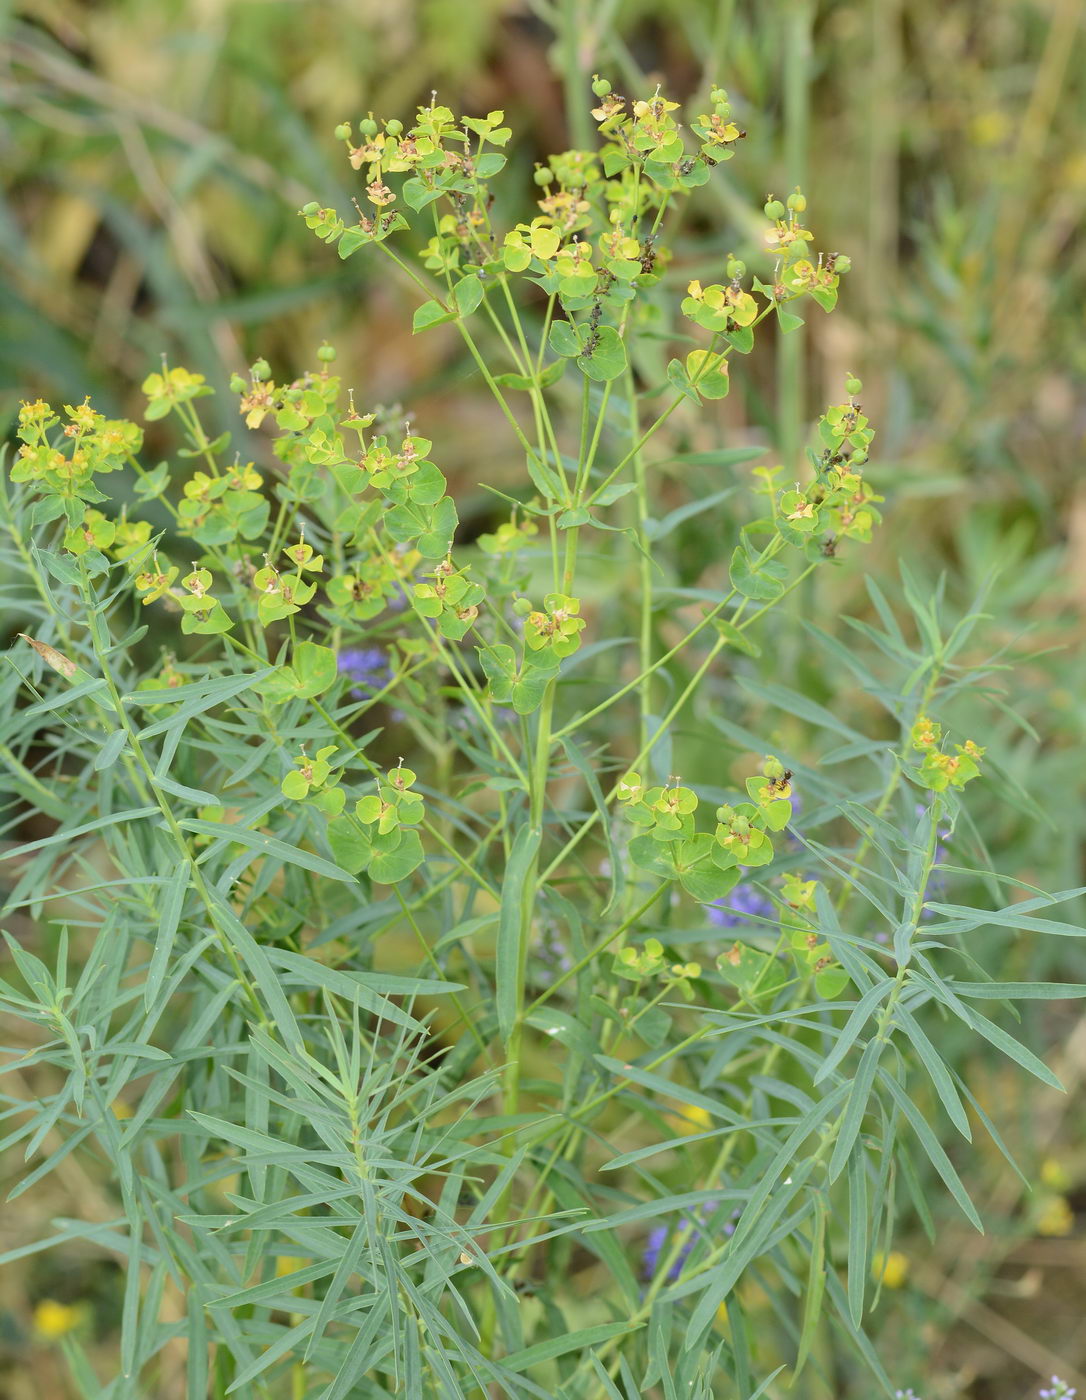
x,y
155,154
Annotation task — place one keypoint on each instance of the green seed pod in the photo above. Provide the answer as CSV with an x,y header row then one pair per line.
x,y
342,131
326,354
260,371
774,209
544,175
843,263
522,607
718,95
368,127
854,385
601,87
858,459
311,208
394,126
797,249
797,202
237,384
292,395
735,268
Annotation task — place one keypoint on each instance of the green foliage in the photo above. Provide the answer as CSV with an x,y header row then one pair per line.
x,y
434,1137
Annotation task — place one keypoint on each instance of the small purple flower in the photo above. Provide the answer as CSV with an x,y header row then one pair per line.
x,y
740,907
367,667
654,1246
1058,1390
690,1232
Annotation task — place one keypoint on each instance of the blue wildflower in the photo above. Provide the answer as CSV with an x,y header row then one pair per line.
x,y
367,667
657,1238
740,907
654,1247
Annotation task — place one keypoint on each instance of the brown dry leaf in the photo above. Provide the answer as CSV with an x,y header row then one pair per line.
x,y
52,657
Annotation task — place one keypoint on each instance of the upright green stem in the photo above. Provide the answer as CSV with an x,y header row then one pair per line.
x,y
536,812
791,405
573,25
644,571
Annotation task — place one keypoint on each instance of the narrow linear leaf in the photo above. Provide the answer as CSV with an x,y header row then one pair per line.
x,y
1012,1048
938,1158
256,960
352,986
173,901
855,1107
861,1014
63,837
940,1075
211,695
267,846
858,1238
572,1341
111,750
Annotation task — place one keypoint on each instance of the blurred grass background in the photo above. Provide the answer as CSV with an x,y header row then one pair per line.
x,y
155,155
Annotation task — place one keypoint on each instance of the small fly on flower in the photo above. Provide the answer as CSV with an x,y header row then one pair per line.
x,y
780,786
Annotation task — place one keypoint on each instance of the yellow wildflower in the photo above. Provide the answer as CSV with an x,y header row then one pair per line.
x,y
890,1269
53,1319
694,1119
1054,1174
1056,1217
